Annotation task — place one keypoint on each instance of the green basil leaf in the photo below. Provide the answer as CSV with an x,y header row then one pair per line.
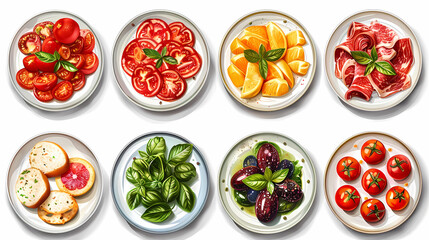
x,y
256,182
156,167
143,168
133,198
385,68
151,53
57,55
374,54
179,153
251,56
45,57
57,66
240,197
280,175
360,57
159,63
185,171
156,145
170,60
164,51
157,213
68,66
144,156
263,68
153,185
262,51
270,187
152,197
132,176
274,55
170,189
141,190
186,198
297,173
268,174
369,68
259,144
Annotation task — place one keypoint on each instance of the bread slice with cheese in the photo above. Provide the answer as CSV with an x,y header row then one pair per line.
x,y
58,202
60,218
50,158
32,187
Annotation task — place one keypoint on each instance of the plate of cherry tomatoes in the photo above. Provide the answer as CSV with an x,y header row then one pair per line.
x,y
160,60
55,61
373,182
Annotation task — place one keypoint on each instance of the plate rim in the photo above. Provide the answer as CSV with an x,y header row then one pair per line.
x,y
204,43
330,162
101,65
350,17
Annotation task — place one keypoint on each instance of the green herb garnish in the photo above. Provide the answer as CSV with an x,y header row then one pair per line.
x,y
262,57
161,57
363,58
50,58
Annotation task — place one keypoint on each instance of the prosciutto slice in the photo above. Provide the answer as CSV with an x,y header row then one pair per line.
x,y
384,36
388,85
361,86
404,59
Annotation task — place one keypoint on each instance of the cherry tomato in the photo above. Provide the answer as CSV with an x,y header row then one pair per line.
x,y
399,167
30,63
373,151
76,46
173,86
397,198
348,168
44,29
374,181
91,63
147,80
189,61
372,210
43,96
25,78
78,81
78,60
45,81
66,30
133,54
45,67
347,198
63,91
64,52
50,45
155,29
88,41
182,34
64,74
29,43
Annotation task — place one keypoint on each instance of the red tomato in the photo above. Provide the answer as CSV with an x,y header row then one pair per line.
x,y
373,151
30,63
78,81
91,63
45,81
45,67
66,30
88,40
170,45
133,54
155,29
347,198
397,198
64,52
182,34
374,181
77,46
43,96
147,80
64,74
29,43
189,61
348,168
372,210
44,29
25,78
399,167
50,45
63,91
78,60
173,87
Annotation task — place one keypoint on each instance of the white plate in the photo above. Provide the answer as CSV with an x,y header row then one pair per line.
x,y
88,202
194,85
247,221
302,83
354,219
339,36
16,57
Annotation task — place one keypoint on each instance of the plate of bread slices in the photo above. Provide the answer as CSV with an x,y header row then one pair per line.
x,y
54,183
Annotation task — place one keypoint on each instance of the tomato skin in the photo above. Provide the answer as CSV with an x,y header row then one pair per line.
x,y
76,46
373,151
63,91
50,45
43,96
44,29
397,198
78,60
78,81
64,74
29,43
155,29
66,30
347,198
30,63
182,34
133,54
147,80
45,67
399,167
173,86
25,78
64,52
374,181
91,63
88,41
45,81
348,168
372,210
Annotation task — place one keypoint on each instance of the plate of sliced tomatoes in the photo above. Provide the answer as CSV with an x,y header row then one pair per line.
x,y
373,182
160,60
55,61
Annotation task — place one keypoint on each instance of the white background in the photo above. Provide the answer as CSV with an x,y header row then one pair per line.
x,y
214,121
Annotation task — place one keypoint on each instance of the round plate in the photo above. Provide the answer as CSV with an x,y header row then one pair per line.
x,y
195,84
120,185
88,202
354,219
302,83
248,221
16,57
339,36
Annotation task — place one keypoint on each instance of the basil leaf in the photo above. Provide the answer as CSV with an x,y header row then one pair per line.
x,y
259,144
141,190
186,199
144,156
57,66
45,57
270,187
164,51
256,182
157,213
185,172
156,167
57,55
360,57
263,68
133,198
280,175
297,173
156,145
251,56
274,55
151,198
170,189
369,68
374,54
159,63
132,176
385,68
170,60
262,51
143,168
268,174
151,53
68,66
153,185
179,153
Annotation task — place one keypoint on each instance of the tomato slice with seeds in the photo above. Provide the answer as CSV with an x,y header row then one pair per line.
x,y
45,81
30,63
189,61
78,81
63,91
91,63
77,60
88,40
155,29
43,96
29,43
173,87
63,74
133,54
25,78
44,29
64,52
182,34
147,80
77,46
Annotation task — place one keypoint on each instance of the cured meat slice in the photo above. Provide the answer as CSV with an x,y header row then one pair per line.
x,y
361,37
387,85
385,54
404,57
348,72
361,86
342,54
384,36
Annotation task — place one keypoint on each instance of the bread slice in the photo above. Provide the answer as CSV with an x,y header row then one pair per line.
x,y
50,158
60,218
32,187
58,202
74,177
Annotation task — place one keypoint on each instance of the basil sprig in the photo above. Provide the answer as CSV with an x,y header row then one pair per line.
x,y
363,58
161,57
262,57
259,182
50,58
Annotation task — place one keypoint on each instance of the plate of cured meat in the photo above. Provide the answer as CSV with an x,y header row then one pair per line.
x,y
373,60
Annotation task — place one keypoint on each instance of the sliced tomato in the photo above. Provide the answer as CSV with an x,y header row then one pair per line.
x,y
182,34
372,210
374,181
66,30
170,45
399,167
78,81
44,29
88,40
91,63
78,60
173,87
189,61
45,81
43,96
64,74
30,63
50,45
133,54
373,151
63,91
348,168
77,46
347,198
45,67
29,43
64,52
25,78
147,80
155,29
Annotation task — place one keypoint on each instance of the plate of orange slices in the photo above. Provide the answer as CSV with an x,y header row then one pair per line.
x,y
267,60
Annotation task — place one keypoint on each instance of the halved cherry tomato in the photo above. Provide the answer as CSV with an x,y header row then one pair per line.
x,y
43,96
78,81
29,43
147,80
50,45
63,91
374,181
189,61
25,78
397,198
45,67
64,74
77,46
45,81
373,151
182,34
372,210
88,41
66,30
44,29
91,63
173,86
64,52
133,54
77,60
348,168
399,167
30,63
155,29
347,198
